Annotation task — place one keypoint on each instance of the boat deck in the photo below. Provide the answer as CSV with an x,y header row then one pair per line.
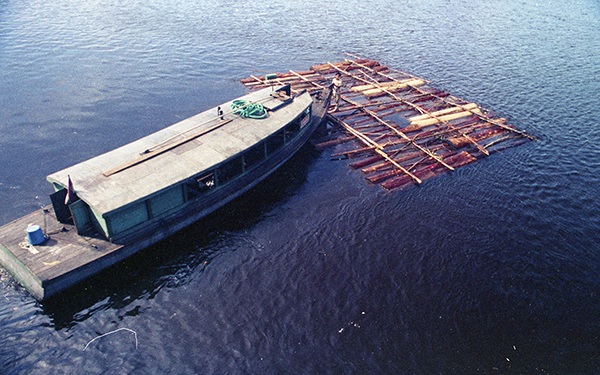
x,y
63,259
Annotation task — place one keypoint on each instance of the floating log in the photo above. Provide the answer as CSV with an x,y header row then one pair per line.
x,y
460,159
383,85
457,142
446,111
334,142
365,162
420,124
353,152
382,90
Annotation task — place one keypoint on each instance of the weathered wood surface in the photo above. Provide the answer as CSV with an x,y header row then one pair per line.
x,y
156,162
402,129
49,266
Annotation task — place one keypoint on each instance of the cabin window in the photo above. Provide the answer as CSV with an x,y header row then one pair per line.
x,y
274,142
129,217
292,129
200,184
305,118
229,170
254,155
166,201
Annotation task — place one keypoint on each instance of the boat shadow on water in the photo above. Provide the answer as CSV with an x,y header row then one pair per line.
x,y
174,261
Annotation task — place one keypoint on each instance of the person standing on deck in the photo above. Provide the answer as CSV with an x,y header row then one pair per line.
x,y
336,86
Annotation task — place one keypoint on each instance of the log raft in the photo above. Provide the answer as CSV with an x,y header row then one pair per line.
x,y
401,128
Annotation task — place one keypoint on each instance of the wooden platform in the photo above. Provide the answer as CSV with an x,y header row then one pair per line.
x,y
401,128
64,259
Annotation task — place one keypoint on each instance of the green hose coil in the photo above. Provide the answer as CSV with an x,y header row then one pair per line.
x,y
246,109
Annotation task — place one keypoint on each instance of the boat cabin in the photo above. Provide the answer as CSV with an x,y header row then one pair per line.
x,y
182,166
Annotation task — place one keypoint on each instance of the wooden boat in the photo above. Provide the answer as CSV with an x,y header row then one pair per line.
x,y
116,204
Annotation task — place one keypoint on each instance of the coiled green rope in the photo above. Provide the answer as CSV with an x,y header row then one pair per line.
x,y
246,109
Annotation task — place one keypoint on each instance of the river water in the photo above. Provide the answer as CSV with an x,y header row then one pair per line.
x,y
493,268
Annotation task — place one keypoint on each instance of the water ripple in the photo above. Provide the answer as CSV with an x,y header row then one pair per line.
x,y
317,271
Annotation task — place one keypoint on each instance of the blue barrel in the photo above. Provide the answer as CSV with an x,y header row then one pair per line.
x,y
35,236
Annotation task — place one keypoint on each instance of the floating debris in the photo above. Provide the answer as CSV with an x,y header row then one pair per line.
x,y
110,333
402,129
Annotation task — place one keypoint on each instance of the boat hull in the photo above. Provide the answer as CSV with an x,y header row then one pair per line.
x,y
67,258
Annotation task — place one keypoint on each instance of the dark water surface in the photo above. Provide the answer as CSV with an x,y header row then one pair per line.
x,y
494,268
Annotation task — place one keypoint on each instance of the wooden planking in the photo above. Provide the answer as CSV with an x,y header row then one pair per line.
x,y
63,252
155,151
404,129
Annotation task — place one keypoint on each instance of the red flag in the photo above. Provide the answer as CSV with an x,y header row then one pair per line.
x,y
70,198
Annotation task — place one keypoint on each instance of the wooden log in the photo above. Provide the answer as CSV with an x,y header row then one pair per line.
x,y
403,159
370,126
380,177
510,142
423,98
378,148
361,121
368,63
374,88
452,100
460,159
466,122
247,80
377,168
396,183
307,74
456,142
286,79
327,66
353,152
333,142
385,90
385,84
417,125
388,93
486,133
437,93
348,108
396,72
322,68
389,108
365,162
428,171
465,127
402,181
443,112
402,135
498,138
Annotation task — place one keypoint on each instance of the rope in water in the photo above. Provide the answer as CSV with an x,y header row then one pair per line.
x,y
245,109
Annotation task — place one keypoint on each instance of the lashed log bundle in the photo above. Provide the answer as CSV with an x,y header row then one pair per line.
x,y
402,129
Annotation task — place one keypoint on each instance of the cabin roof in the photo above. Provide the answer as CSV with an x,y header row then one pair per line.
x,y
107,193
